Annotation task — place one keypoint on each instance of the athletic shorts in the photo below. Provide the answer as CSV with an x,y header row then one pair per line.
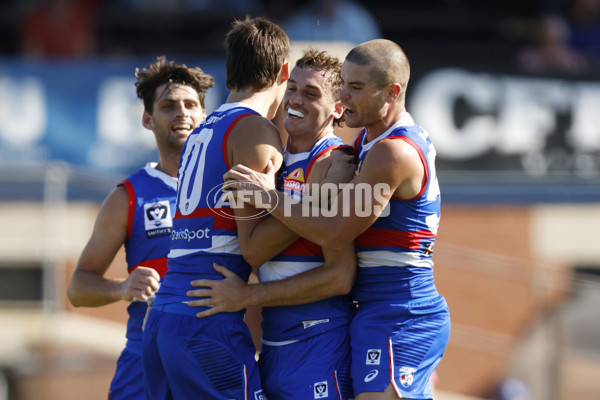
x,y
185,357
313,368
410,338
128,382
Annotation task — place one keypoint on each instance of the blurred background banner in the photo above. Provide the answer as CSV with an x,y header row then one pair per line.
x,y
499,121
81,112
492,128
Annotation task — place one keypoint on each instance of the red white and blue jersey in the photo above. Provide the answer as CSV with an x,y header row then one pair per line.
x,y
204,228
150,220
395,253
291,323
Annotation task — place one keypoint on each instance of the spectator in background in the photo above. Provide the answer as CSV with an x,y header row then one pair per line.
x,y
332,20
59,28
550,50
584,25
230,6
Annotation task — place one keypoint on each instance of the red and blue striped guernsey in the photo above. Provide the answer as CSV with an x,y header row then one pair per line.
x,y
395,253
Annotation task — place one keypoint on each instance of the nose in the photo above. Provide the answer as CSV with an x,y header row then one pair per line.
x,y
344,92
295,98
181,109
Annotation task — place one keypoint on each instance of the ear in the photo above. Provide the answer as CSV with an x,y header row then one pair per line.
x,y
147,121
338,109
394,90
284,75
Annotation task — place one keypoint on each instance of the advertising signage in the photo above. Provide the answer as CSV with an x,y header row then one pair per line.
x,y
506,123
504,132
86,114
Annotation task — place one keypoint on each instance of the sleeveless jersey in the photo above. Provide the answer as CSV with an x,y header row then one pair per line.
x,y
395,253
285,323
204,228
151,206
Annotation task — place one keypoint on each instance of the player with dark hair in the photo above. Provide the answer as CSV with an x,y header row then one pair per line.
x,y
138,213
187,357
305,350
402,324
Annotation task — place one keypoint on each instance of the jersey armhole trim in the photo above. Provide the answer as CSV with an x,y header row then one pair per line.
x,y
131,211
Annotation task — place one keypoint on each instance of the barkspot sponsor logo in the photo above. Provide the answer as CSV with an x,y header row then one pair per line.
x,y
189,235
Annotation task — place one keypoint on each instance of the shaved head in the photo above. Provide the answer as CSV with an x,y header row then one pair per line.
x,y
387,61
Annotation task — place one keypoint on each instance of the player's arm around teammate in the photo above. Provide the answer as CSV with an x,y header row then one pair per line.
x,y
391,165
335,277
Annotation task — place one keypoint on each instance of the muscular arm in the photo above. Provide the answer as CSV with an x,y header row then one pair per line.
x,y
340,168
89,287
392,167
334,277
254,142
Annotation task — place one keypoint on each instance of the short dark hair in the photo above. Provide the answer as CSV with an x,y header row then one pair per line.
x,y
162,71
256,50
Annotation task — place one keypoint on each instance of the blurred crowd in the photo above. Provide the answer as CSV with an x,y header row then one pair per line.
x,y
564,38
549,36
70,28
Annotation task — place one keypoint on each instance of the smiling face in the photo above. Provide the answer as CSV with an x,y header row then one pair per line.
x,y
310,107
176,113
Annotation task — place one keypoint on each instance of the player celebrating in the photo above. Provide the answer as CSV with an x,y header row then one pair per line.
x,y
187,357
138,213
402,325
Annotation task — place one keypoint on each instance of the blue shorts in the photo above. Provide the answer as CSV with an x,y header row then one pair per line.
x,y
185,357
410,338
128,382
313,368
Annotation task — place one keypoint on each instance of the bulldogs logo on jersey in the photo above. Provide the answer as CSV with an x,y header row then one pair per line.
x,y
373,357
407,376
321,391
259,395
157,219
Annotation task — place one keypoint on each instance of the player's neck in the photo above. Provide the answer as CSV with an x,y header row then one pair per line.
x,y
375,129
301,143
168,165
262,101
